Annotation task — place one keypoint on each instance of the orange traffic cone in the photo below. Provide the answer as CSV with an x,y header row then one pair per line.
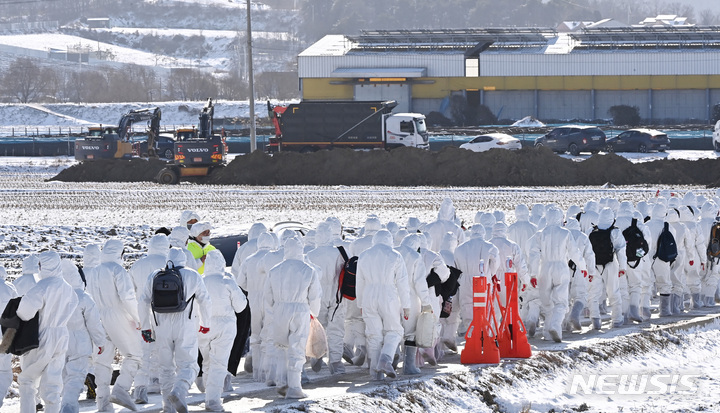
x,y
512,336
480,340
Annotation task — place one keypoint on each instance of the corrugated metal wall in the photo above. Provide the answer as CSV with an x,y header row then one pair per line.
x,y
679,104
437,65
565,104
511,104
605,99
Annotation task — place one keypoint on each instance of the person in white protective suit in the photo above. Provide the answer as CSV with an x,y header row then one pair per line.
x,y
332,314
520,232
178,238
110,285
434,262
227,299
710,269
608,279
537,212
85,330
508,250
678,267
487,220
550,251
581,274
589,216
383,295
175,334
188,218
420,299
638,278
467,259
696,253
436,230
248,248
7,292
91,259
199,243
156,258
660,269
55,301
293,291
28,278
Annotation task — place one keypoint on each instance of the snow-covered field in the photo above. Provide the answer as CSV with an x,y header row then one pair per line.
x,y
66,216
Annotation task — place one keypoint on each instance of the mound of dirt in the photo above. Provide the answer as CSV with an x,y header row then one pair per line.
x,y
450,166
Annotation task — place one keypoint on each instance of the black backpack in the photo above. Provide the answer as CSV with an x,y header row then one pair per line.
x,y
346,280
446,289
666,246
168,291
602,245
713,249
636,245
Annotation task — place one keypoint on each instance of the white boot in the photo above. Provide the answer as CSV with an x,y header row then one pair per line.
x,y
120,396
634,314
385,365
409,366
665,306
575,315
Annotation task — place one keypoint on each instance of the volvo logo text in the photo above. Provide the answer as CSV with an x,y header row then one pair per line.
x,y
91,148
198,150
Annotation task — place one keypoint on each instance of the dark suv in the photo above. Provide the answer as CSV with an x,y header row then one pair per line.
x,y
639,140
573,139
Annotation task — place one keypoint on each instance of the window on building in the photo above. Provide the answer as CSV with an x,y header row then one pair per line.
x,y
472,67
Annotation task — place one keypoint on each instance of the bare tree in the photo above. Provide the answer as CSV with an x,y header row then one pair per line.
x,y
708,18
26,81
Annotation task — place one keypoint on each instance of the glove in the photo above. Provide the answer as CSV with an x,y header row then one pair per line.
x,y
584,274
590,278
426,309
147,336
621,273
523,287
692,263
406,313
533,282
702,265
100,350
496,280
204,330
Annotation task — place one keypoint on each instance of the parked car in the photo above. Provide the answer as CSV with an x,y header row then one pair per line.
x,y
573,139
489,141
639,140
165,146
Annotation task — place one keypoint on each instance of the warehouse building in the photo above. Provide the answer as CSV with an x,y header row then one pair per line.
x,y
669,73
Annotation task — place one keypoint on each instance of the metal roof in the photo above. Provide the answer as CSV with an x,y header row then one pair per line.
x,y
648,37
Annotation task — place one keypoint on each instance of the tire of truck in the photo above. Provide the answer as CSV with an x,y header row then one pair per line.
x,y
167,176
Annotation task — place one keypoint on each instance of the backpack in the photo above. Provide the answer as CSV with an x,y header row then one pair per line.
x,y
602,245
168,291
346,280
713,249
636,245
666,246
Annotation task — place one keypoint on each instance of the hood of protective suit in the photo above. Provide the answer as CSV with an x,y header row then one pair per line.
x,y
30,263
673,202
286,235
293,249
477,231
266,241
177,256
538,210
372,225
709,210
592,206
625,211
658,211
3,274
689,199
447,210
553,216
423,240
383,237
112,251
700,199
644,208
412,241
199,227
413,224
478,217
613,204
335,226
499,215
71,274
323,235
606,218
673,215
255,230
214,263
499,230
686,215
158,245
487,220
188,215
50,265
572,212
572,224
179,236
522,212
393,227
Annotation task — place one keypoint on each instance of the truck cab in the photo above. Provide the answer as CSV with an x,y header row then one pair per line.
x,y
406,129
102,142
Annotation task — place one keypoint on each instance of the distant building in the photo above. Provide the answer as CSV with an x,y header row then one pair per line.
x,y
98,23
670,20
667,72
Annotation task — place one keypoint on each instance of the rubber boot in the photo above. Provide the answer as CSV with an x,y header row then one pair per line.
x,y
337,368
634,314
617,323
227,384
91,386
575,315
646,313
200,384
385,365
154,387
295,393
450,343
677,304
248,366
597,323
214,406
178,397
282,390
665,306
120,396
709,301
317,364
555,335
347,353
104,405
376,375
359,359
396,358
141,395
428,355
697,302
409,365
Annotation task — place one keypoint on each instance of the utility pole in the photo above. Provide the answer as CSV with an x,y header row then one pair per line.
x,y
251,83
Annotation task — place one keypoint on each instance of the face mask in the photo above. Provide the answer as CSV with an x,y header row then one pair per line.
x,y
206,240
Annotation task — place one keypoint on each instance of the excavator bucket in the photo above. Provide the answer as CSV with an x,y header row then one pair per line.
x,y
481,345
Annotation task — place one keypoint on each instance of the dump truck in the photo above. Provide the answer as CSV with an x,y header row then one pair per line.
x,y
312,125
109,142
197,151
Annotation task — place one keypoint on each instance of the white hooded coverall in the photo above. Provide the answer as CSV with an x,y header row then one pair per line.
x,y
7,291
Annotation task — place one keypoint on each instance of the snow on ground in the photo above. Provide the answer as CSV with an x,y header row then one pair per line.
x,y
210,34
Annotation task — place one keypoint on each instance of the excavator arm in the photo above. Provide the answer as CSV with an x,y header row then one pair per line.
x,y
153,115
206,120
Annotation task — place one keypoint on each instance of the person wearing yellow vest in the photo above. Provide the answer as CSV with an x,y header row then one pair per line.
x,y
199,243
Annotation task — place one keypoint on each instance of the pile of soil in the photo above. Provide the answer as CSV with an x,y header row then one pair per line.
x,y
450,166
